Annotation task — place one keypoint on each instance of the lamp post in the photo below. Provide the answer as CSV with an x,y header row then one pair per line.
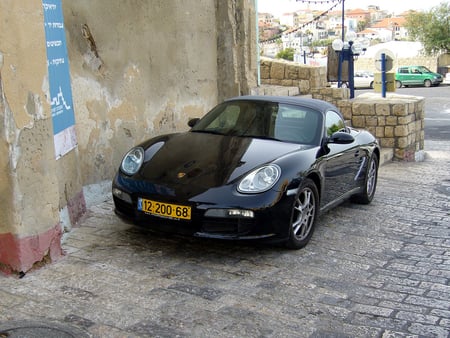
x,y
349,50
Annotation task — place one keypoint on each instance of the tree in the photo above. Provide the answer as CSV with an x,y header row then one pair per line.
x,y
287,54
361,26
431,28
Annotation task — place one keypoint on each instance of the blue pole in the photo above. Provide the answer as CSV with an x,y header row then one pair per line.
x,y
383,75
341,60
351,72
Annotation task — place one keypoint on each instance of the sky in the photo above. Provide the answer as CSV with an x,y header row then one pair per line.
x,y
277,7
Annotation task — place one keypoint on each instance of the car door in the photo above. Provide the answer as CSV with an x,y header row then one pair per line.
x,y
415,76
341,162
404,75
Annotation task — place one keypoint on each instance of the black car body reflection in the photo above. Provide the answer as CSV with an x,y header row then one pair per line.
x,y
254,167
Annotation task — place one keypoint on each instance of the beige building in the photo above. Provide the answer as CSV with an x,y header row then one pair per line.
x,y
137,69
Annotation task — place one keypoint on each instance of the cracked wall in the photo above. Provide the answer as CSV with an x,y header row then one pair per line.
x,y
29,226
138,69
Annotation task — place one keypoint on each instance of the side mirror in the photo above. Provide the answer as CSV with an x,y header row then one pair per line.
x,y
340,137
193,122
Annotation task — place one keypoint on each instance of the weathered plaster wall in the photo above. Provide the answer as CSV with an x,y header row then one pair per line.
x,y
30,209
139,68
236,45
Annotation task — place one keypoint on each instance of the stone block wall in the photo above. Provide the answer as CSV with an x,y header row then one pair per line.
x,y
291,74
397,120
368,64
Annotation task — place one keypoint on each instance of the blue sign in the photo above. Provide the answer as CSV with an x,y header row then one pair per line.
x,y
59,78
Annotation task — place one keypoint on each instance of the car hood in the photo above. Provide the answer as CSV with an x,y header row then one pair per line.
x,y
202,160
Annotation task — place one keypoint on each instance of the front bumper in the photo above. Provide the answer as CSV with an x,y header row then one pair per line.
x,y
266,216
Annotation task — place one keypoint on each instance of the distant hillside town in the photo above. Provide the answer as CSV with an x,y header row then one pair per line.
x,y
309,31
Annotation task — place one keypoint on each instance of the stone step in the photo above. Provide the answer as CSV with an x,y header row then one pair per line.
x,y
271,90
387,155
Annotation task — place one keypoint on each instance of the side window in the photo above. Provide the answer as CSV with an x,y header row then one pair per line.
x,y
333,122
227,119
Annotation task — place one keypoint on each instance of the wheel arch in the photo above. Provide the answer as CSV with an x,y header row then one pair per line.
x,y
377,153
316,179
427,83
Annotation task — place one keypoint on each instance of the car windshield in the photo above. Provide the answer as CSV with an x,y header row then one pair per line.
x,y
262,119
423,69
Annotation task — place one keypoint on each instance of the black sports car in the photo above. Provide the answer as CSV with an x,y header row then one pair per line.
x,y
254,167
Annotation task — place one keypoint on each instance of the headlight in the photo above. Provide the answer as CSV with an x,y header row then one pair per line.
x,y
132,161
260,180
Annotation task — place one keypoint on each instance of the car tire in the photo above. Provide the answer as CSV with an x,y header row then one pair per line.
x,y
303,215
370,182
371,85
398,84
427,83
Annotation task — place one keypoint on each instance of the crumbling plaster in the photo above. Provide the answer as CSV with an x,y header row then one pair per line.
x,y
35,187
139,69
28,166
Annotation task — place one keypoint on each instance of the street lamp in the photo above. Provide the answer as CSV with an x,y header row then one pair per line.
x,y
349,50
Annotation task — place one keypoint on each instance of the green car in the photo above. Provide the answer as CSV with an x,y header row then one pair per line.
x,y
416,75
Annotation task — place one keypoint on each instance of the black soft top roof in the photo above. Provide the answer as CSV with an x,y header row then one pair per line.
x,y
316,104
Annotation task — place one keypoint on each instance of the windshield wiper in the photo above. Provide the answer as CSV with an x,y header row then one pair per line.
x,y
262,137
214,132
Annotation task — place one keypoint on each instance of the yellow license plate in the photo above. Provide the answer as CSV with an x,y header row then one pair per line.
x,y
164,209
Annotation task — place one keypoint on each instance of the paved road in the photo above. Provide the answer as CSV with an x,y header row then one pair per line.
x,y
381,270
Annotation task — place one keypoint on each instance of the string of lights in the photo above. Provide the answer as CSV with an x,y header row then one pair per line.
x,y
316,18
319,2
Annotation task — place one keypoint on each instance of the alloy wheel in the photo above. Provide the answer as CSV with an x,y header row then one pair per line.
x,y
304,214
371,178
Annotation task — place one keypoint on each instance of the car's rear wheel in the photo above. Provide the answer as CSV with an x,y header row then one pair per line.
x,y
304,214
371,85
370,182
398,84
427,83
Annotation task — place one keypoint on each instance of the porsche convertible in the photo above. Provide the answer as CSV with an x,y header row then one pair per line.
x,y
253,168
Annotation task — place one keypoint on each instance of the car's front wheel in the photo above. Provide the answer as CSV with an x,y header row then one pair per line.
x,y
427,83
304,214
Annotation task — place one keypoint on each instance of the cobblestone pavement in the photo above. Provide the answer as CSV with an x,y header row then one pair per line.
x,y
381,270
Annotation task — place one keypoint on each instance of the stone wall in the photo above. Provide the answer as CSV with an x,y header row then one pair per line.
x,y
368,64
397,120
292,74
